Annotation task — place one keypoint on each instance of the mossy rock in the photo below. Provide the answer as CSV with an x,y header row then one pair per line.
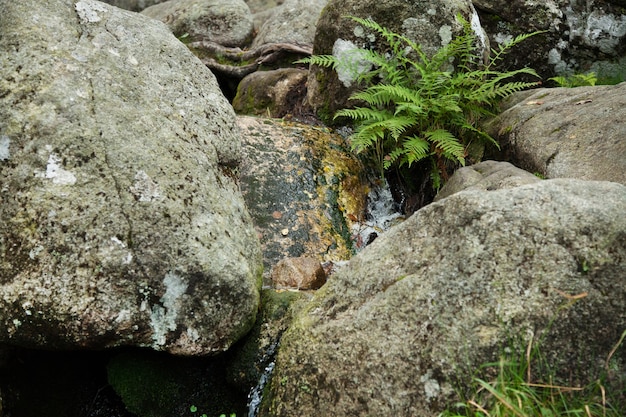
x,y
159,385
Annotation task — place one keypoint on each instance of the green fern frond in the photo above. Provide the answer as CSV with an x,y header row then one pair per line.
x,y
576,80
416,149
448,144
505,48
326,61
364,113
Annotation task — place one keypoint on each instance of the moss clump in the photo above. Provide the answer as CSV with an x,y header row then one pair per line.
x,y
153,384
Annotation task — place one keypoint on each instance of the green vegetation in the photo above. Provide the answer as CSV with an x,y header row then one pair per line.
x,y
419,108
513,393
576,80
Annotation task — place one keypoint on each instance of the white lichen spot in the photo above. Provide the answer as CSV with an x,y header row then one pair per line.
x,y
163,317
34,252
350,61
57,174
129,256
431,11
359,32
132,60
605,30
123,316
4,148
503,38
193,334
431,386
88,11
145,189
445,33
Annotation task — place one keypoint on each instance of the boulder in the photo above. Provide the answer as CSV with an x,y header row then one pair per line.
x,y
579,37
302,273
487,176
292,22
430,24
275,93
134,5
408,323
258,6
121,220
565,132
303,190
225,22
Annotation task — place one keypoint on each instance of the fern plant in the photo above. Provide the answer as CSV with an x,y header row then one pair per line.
x,y
576,80
414,107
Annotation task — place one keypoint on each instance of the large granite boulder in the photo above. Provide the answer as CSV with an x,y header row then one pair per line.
x,y
225,22
430,24
121,220
579,37
565,132
408,323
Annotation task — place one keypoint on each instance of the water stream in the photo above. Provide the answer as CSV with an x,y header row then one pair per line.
x,y
381,213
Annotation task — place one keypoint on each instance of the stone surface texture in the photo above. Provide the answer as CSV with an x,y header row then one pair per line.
x,y
413,317
293,22
487,176
301,273
225,22
134,5
121,222
565,132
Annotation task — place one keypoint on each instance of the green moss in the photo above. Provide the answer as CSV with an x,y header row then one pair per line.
x,y
158,385
146,388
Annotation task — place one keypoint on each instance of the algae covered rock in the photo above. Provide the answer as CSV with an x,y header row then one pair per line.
x,y
406,325
303,189
121,221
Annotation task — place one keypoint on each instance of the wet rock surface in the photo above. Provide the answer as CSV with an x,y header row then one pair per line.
x,y
302,189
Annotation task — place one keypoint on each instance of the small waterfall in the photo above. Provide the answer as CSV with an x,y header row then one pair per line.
x,y
256,393
382,212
